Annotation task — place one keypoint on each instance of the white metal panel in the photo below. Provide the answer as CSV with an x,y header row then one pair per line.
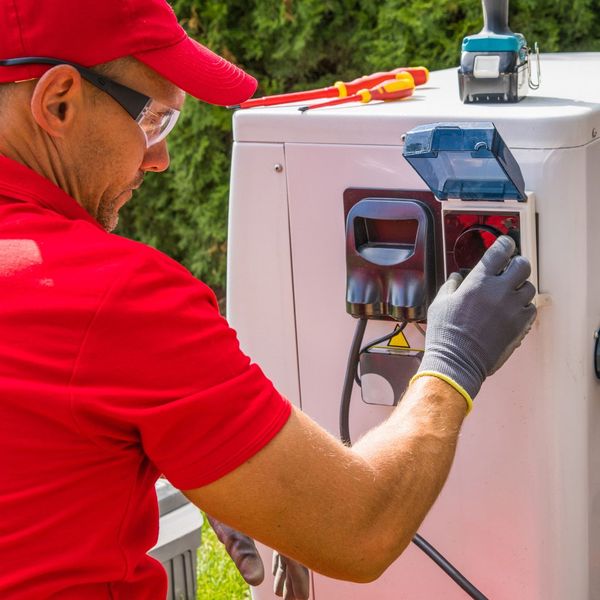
x,y
563,112
520,514
514,514
592,321
260,302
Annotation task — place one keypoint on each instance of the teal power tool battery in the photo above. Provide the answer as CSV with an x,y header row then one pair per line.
x,y
495,65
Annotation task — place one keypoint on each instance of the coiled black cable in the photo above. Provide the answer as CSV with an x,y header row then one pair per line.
x,y
349,378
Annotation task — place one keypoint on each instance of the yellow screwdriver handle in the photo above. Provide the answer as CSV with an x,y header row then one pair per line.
x,y
403,76
368,82
389,90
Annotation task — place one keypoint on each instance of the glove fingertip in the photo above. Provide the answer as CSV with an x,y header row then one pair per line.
x,y
498,255
507,244
451,284
532,316
279,584
252,571
455,279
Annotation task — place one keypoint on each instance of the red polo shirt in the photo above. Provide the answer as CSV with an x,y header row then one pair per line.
x,y
115,366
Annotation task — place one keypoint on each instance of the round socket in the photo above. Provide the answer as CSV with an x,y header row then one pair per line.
x,y
472,243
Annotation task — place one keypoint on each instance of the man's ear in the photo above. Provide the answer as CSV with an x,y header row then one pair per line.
x,y
56,99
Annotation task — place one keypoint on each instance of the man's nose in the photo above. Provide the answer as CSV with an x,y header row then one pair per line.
x,y
156,158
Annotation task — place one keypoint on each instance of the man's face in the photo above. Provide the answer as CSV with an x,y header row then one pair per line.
x,y
112,156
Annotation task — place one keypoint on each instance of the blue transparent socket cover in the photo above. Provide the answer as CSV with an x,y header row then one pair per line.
x,y
469,161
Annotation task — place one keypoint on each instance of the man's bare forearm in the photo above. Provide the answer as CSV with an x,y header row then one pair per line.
x,y
345,512
411,454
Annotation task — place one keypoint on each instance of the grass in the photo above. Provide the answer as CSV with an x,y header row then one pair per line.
x,y
218,579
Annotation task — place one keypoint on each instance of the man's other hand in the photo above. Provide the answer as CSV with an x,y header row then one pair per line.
x,y
292,581
242,550
291,578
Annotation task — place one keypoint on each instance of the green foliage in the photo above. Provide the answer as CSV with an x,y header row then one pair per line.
x,y
298,44
218,578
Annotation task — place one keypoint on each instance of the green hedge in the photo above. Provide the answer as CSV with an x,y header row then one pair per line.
x,y
290,45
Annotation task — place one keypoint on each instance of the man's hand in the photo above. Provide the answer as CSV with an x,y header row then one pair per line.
x,y
242,550
474,325
291,578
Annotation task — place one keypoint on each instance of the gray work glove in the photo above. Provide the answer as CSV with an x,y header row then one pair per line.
x,y
291,578
474,325
242,550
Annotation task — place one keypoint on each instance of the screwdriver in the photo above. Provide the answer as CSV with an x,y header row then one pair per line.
x,y
340,89
393,89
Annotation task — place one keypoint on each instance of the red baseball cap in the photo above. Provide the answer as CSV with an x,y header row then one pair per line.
x,y
91,32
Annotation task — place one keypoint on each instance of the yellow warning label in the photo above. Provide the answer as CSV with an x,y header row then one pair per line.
x,y
399,341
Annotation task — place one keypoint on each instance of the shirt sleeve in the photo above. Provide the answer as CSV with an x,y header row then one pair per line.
x,y
160,372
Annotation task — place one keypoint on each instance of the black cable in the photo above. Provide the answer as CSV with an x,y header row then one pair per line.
x,y
448,568
384,338
351,368
351,373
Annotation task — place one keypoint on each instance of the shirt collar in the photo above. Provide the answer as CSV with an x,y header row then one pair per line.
x,y
19,182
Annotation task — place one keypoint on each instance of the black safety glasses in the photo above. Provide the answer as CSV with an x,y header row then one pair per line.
x,y
154,119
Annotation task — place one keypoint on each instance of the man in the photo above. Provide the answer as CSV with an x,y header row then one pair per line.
x,y
115,365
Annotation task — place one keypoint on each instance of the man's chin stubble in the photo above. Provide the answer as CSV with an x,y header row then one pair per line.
x,y
108,214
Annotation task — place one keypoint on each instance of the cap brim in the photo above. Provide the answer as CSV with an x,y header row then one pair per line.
x,y
21,73
200,72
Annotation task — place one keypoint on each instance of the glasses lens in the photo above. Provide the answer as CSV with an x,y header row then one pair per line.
x,y
157,121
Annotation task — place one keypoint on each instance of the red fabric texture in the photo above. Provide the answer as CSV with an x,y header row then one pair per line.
x,y
115,366
91,33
